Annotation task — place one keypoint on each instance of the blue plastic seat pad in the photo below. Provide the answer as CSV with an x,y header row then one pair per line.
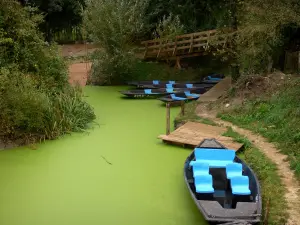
x,y
234,170
214,154
155,81
189,85
174,97
170,90
201,169
216,158
169,85
204,184
148,91
213,78
240,185
171,82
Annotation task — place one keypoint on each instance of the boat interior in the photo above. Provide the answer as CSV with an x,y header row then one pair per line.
x,y
218,175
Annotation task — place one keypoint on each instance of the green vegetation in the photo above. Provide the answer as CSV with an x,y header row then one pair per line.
x,y
276,118
36,101
270,182
61,16
265,170
190,115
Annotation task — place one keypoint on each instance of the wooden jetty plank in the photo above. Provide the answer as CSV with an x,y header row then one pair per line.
x,y
192,133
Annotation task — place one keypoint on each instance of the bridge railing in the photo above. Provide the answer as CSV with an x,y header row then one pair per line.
x,y
184,45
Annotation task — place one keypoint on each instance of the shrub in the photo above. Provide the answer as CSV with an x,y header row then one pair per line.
x,y
114,25
36,101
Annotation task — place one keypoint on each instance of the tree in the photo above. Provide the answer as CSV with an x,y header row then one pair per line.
x,y
59,14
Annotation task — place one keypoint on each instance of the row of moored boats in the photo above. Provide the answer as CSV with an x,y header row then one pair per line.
x,y
172,91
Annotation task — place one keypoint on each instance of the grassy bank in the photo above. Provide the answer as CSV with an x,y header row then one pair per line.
x,y
190,115
270,182
276,118
265,170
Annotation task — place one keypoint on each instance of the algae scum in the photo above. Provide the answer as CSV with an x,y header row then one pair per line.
x,y
117,173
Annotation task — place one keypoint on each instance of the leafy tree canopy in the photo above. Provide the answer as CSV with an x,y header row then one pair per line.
x,y
59,14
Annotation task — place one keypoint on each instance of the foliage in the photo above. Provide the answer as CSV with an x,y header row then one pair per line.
x,y
22,46
276,118
169,27
270,183
114,25
194,15
36,101
59,14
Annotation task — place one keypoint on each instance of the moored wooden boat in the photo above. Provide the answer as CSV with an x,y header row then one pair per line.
x,y
155,93
223,187
186,96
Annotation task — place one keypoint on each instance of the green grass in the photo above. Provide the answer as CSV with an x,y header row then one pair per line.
x,y
276,118
270,183
190,115
266,171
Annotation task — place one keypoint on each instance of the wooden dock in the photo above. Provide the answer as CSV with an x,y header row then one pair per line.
x,y
191,134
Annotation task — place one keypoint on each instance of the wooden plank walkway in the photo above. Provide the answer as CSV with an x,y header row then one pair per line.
x,y
187,45
191,134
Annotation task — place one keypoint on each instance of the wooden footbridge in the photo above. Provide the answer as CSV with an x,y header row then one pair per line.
x,y
188,45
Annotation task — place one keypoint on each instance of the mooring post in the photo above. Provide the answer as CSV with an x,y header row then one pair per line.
x,y
182,108
168,119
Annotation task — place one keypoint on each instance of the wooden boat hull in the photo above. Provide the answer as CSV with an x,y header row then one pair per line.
x,y
207,86
156,93
215,78
218,209
169,99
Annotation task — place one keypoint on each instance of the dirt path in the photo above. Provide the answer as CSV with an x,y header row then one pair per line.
x,y
78,73
284,171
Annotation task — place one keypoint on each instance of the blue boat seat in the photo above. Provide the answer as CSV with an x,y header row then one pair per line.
x,y
213,78
189,85
234,170
169,85
204,184
155,81
170,90
148,91
188,94
201,169
240,185
171,82
174,97
216,158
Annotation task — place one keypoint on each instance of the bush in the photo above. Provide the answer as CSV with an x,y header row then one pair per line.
x,y
29,113
114,25
36,101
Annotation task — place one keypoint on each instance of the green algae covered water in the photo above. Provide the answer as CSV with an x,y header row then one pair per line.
x,y
118,173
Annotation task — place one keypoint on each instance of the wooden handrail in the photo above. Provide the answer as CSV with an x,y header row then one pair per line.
x,y
184,44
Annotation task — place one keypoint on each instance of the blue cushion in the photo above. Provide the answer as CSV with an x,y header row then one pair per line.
x,y
240,185
234,170
201,169
216,158
148,91
171,82
214,154
155,81
169,90
188,94
213,78
177,98
169,85
189,85
204,184
212,163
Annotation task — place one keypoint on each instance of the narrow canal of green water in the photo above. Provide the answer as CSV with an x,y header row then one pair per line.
x,y
117,173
